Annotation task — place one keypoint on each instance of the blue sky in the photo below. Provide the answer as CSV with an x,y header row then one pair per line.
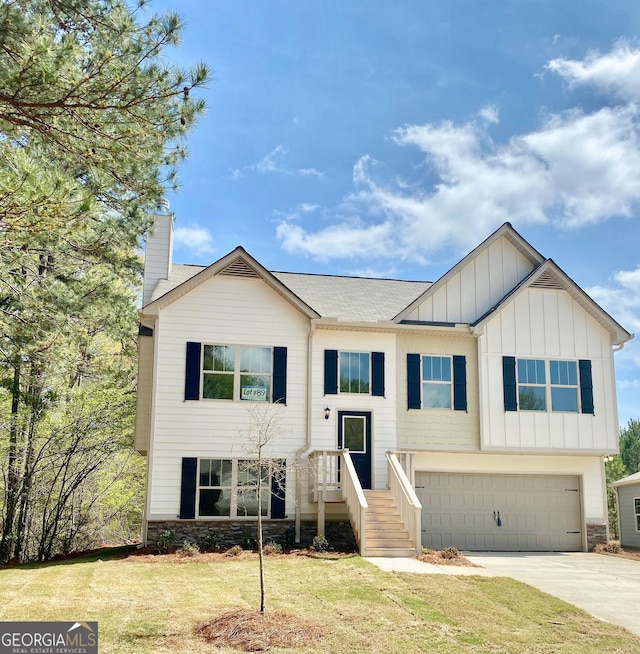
x,y
383,138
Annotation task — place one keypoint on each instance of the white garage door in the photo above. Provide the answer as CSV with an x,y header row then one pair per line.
x,y
500,512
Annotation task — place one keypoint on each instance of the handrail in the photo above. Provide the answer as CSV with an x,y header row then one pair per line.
x,y
405,498
357,505
325,470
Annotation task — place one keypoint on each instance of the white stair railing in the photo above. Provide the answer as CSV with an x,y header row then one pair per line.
x,y
356,502
405,498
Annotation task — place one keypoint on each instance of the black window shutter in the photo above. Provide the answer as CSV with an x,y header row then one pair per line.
x,y
459,383
279,375
278,490
188,488
586,386
192,376
509,383
377,374
413,381
330,372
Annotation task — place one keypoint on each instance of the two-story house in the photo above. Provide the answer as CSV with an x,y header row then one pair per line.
x,y
474,411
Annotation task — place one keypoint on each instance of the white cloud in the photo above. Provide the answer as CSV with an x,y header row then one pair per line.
x,y
274,163
617,72
490,114
622,300
195,238
577,169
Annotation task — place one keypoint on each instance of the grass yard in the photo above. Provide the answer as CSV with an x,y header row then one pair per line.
x,y
149,604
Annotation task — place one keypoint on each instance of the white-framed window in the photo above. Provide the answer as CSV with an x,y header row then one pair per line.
x,y
636,510
436,382
355,372
233,488
233,372
548,385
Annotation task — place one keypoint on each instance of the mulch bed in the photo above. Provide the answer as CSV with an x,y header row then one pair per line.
x,y
436,557
252,631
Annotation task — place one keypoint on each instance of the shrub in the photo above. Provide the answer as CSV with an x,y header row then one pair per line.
x,y
450,553
189,548
248,540
289,537
319,544
614,547
213,540
272,548
426,550
165,539
236,550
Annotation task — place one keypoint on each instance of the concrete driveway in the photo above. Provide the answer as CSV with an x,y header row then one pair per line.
x,y
605,586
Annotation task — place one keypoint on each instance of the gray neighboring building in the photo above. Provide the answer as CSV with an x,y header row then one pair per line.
x,y
628,497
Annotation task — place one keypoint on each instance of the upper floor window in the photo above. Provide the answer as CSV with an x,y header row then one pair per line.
x,y
242,373
436,382
547,385
353,372
236,373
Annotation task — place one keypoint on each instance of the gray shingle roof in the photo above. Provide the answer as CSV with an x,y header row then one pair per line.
x,y
350,299
353,299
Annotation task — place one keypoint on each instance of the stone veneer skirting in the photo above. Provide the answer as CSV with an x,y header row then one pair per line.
x,y
339,535
596,535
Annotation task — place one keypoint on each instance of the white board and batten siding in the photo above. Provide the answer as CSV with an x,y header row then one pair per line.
x,y
546,324
222,311
543,500
477,286
383,409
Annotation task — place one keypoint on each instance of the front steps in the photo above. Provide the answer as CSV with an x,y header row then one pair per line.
x,y
385,533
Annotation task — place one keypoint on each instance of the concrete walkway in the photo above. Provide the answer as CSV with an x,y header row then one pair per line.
x,y
607,587
402,564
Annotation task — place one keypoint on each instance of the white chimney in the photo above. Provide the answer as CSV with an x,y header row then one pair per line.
x,y
158,250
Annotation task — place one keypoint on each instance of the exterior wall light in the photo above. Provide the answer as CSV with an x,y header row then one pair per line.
x,y
327,413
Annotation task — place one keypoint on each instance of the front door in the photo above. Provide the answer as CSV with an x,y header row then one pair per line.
x,y
354,434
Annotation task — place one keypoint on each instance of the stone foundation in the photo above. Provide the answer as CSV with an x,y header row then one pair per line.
x,y
224,535
596,535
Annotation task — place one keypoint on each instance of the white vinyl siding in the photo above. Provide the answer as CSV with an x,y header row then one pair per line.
x,y
431,429
212,429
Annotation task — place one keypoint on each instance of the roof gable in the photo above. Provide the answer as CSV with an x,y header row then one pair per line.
x,y
477,281
238,263
550,276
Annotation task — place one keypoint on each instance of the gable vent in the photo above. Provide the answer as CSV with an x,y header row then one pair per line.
x,y
547,280
238,268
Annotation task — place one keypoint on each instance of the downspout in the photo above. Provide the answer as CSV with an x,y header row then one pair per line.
x,y
152,324
307,446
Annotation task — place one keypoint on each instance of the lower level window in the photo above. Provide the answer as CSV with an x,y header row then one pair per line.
x,y
233,488
636,506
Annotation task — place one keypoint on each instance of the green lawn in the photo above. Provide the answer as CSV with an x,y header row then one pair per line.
x,y
153,604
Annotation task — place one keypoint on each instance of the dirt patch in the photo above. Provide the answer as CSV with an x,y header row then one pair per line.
x,y
437,558
252,631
